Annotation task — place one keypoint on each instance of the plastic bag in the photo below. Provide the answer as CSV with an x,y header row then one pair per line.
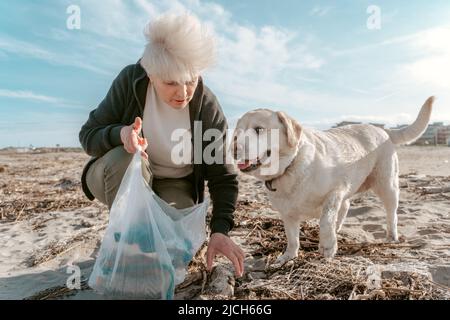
x,y
148,244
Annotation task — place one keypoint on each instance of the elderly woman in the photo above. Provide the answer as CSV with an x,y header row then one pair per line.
x,y
163,92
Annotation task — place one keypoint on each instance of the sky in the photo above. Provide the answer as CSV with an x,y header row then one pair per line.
x,y
322,62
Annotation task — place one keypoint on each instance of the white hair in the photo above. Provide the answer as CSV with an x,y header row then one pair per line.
x,y
179,48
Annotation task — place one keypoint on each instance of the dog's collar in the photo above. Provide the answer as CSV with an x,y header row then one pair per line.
x,y
268,183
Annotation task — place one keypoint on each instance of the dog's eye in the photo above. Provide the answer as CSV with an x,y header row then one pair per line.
x,y
259,130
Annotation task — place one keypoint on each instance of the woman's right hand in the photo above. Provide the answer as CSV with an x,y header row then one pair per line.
x,y
131,140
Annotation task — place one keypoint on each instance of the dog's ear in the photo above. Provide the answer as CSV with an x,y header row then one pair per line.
x,y
293,128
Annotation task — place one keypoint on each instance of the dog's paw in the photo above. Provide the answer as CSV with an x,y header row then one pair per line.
x,y
281,260
328,251
392,239
339,228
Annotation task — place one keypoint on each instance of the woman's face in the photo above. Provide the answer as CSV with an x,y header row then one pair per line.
x,y
177,95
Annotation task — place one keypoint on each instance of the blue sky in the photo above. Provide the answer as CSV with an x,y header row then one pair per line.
x,y
316,60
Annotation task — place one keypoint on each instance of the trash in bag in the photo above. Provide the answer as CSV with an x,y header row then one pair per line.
x,y
148,244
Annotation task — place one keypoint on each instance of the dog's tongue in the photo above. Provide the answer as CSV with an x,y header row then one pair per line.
x,y
244,165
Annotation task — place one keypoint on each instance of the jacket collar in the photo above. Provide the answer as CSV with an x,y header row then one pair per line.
x,y
140,85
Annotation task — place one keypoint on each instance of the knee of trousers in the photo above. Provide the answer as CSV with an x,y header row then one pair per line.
x,y
116,160
105,175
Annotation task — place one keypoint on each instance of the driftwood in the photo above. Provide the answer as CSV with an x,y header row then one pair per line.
x,y
432,190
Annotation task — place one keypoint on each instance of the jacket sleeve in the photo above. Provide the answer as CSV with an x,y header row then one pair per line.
x,y
101,132
221,177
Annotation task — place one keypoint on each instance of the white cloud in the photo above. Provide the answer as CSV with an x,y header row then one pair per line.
x,y
149,8
255,93
28,95
388,121
252,65
373,47
36,97
266,52
320,11
11,45
427,56
27,49
114,18
411,68
433,67
251,59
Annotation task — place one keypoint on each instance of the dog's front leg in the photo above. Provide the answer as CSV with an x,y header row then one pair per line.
x,y
327,234
291,228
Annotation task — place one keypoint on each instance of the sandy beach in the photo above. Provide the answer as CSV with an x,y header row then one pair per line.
x,y
48,229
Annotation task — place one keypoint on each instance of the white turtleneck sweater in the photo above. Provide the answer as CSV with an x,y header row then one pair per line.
x,y
168,159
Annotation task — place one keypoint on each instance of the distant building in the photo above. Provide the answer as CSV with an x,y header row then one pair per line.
x,y
443,135
436,133
22,150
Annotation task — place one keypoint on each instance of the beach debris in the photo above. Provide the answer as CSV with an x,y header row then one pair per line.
x,y
67,184
432,190
37,188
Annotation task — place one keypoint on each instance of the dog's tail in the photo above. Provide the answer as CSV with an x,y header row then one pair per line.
x,y
414,131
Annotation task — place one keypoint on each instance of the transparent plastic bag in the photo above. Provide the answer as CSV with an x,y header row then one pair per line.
x,y
148,244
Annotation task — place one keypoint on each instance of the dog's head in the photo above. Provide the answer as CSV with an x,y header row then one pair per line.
x,y
265,142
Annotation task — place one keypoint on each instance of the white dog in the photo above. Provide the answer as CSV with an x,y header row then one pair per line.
x,y
319,171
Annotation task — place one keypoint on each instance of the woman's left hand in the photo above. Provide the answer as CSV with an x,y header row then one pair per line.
x,y
221,244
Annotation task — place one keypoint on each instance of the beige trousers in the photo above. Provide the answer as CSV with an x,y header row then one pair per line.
x,y
105,174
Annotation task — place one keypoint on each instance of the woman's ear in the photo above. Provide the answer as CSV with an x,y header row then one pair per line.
x,y
293,128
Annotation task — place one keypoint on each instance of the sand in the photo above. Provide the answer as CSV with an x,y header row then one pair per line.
x,y
48,229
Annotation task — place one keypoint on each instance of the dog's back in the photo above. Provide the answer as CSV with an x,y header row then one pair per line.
x,y
347,144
